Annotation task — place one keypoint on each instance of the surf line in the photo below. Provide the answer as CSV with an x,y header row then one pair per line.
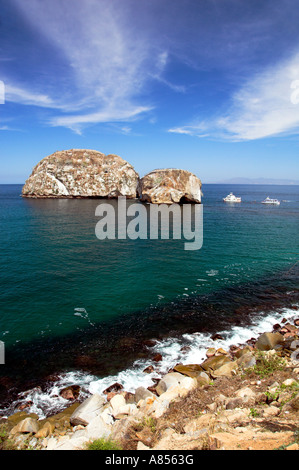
x,y
153,221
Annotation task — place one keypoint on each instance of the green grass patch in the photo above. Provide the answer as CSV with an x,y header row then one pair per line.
x,y
267,364
103,444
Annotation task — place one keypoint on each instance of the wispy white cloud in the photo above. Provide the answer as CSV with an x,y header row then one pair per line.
x,y
108,61
196,129
172,86
24,95
10,129
109,114
261,107
104,54
19,95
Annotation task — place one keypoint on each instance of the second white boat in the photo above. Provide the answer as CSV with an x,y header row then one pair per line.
x,y
268,200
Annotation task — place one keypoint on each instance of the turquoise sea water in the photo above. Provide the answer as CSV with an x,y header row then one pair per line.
x,y
65,294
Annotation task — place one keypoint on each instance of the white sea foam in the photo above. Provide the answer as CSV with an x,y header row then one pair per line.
x,y
81,312
212,272
45,402
188,349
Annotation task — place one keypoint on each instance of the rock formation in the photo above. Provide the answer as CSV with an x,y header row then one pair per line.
x,y
169,186
81,173
88,173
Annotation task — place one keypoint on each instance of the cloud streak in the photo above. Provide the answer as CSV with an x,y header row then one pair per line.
x,y
107,61
261,107
113,60
109,114
16,94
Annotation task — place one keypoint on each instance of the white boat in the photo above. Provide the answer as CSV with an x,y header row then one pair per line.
x,y
231,198
268,200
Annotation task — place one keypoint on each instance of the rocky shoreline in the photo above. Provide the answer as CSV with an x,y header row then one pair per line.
x,y
240,399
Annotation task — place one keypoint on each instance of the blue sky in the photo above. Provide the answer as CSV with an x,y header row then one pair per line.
x,y
211,86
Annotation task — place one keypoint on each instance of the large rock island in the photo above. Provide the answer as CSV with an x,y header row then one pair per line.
x,y
81,173
170,186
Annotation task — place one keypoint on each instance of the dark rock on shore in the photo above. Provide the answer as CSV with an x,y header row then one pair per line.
x,y
70,393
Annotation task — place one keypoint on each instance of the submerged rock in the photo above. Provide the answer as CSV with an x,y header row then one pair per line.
x,y
81,173
70,393
169,186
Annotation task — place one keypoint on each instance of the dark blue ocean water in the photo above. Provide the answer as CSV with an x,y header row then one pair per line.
x,y
69,301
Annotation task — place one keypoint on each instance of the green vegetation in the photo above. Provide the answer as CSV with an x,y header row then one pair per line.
x,y
151,423
254,413
5,442
267,364
103,444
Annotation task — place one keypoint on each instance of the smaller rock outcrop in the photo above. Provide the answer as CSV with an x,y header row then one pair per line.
x,y
169,186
